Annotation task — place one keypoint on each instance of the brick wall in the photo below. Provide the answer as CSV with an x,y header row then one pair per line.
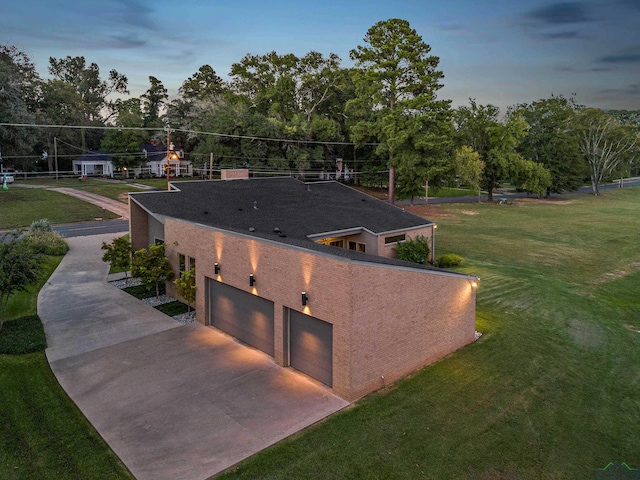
x,y
386,320
235,173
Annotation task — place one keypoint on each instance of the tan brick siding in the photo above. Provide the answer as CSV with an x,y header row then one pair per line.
x,y
386,320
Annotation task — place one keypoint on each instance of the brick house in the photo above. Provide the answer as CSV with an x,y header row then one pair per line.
x,y
305,273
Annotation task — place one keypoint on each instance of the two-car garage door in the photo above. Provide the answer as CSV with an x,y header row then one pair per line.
x,y
250,319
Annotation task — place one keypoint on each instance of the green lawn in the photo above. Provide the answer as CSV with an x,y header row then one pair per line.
x,y
21,206
43,435
552,388
550,391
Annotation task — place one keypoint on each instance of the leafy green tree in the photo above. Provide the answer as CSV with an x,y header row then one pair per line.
x,y
414,250
496,142
151,266
118,253
268,82
19,84
396,82
124,144
469,168
530,176
605,143
86,81
152,100
552,141
19,268
91,102
205,84
186,286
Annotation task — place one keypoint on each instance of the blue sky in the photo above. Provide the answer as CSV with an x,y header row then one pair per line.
x,y
496,51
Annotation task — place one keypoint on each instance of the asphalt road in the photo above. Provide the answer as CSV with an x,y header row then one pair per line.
x,y
91,228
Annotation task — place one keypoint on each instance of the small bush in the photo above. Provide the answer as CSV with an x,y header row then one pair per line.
x,y
46,242
39,226
450,260
414,250
22,335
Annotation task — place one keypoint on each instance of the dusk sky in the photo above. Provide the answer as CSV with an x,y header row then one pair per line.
x,y
496,51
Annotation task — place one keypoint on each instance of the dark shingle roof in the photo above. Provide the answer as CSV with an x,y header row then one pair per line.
x,y
258,206
94,156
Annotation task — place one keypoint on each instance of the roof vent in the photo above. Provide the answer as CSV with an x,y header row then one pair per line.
x,y
276,229
252,229
255,205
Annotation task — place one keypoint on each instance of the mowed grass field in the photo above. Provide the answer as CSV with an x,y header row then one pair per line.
x,y
550,391
552,388
21,206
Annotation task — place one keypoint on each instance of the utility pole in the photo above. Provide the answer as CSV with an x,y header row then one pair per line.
x,y
55,154
211,166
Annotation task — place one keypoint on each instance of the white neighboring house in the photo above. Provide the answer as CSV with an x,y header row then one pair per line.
x,y
95,162
157,164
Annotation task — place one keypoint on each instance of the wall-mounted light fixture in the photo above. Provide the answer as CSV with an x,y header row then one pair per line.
x,y
252,280
305,298
216,268
474,283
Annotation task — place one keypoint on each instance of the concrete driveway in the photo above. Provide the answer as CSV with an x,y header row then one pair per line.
x,y
173,401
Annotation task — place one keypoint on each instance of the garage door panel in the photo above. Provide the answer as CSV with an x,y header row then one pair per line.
x,y
247,317
311,346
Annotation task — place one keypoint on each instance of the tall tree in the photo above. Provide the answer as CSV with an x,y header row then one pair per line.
x,y
605,143
552,140
19,90
205,84
396,82
268,82
152,101
87,82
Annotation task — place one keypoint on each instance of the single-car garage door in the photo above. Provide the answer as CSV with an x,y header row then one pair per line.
x,y
311,346
247,317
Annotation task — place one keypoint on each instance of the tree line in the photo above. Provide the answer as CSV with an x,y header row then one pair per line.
x,y
285,113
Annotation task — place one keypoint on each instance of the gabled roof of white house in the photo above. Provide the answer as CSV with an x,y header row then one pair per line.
x,y
94,156
279,206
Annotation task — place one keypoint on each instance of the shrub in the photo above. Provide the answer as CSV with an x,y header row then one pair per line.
x,y
46,242
414,250
38,226
450,260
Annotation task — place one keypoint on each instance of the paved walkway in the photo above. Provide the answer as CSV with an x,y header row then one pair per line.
x,y
173,401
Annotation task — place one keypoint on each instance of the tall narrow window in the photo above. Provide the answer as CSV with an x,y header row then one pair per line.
x,y
181,263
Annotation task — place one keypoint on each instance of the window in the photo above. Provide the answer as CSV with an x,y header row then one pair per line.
x,y
394,239
186,263
357,246
337,243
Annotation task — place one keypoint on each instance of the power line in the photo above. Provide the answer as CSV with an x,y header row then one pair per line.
x,y
182,130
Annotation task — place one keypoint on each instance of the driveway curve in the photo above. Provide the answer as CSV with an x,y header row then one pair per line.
x,y
173,401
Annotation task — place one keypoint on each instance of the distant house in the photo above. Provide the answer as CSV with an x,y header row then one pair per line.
x,y
157,161
306,273
95,162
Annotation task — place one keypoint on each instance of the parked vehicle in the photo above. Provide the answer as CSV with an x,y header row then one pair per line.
x,y
6,178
